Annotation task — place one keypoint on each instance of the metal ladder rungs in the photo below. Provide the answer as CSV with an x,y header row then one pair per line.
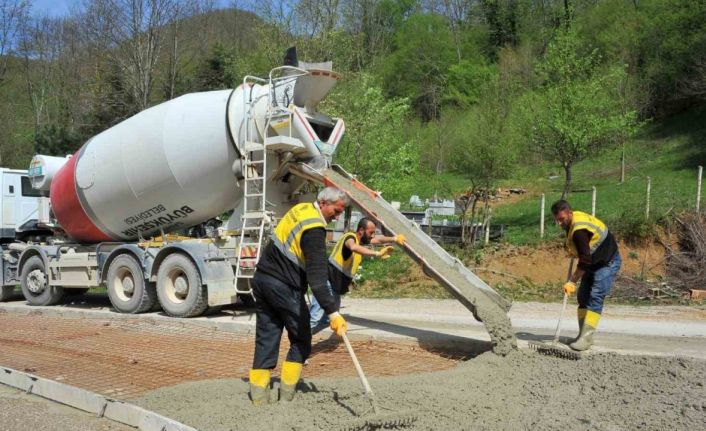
x,y
253,146
253,215
249,244
254,162
253,195
250,228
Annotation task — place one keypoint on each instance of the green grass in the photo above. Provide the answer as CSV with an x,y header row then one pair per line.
x,y
668,152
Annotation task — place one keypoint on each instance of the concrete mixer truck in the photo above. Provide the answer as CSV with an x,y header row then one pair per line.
x,y
111,207
108,214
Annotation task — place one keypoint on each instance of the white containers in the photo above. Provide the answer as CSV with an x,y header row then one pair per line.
x,y
167,167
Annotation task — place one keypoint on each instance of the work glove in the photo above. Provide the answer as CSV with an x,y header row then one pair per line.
x,y
569,287
338,323
400,240
385,252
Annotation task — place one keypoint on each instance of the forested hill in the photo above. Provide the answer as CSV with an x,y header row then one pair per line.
x,y
438,95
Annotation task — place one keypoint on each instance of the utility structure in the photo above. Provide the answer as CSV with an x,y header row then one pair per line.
x,y
115,212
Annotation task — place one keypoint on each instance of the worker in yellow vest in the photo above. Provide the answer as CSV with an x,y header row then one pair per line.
x,y
293,261
589,240
345,260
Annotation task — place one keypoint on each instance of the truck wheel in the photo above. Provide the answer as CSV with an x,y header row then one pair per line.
x,y
35,285
6,292
127,289
179,287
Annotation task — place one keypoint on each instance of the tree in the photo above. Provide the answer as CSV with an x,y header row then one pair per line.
x,y
13,14
485,150
374,147
40,45
579,110
417,68
132,33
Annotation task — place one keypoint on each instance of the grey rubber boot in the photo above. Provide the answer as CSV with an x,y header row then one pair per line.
x,y
585,340
259,395
286,392
580,320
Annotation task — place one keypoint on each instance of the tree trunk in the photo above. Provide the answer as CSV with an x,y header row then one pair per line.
x,y
567,182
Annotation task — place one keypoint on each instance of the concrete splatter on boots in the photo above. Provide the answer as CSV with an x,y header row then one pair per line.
x,y
259,387
291,372
585,339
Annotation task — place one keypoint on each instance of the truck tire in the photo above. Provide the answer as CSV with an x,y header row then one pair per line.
x,y
35,285
179,287
128,290
6,292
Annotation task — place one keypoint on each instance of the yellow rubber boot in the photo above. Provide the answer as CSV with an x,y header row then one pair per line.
x,y
259,386
291,372
585,340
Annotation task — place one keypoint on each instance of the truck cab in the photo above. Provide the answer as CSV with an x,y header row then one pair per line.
x,y
20,204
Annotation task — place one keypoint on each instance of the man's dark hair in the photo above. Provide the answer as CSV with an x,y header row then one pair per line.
x,y
363,224
560,206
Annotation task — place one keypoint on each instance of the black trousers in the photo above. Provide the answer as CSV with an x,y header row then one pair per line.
x,y
279,306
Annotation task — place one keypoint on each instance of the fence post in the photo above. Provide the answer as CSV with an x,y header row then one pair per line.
x,y
593,202
541,220
647,204
487,227
698,188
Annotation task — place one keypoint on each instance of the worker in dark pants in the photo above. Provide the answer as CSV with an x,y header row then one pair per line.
x,y
589,240
294,260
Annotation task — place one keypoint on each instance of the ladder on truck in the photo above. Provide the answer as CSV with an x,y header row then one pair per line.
x,y
255,217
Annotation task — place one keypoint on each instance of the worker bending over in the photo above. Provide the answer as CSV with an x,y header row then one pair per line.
x,y
345,260
294,260
599,262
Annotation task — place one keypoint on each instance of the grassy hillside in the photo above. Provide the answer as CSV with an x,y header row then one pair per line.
x,y
668,152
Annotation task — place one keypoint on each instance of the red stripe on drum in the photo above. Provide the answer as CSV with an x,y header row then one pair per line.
x,y
67,207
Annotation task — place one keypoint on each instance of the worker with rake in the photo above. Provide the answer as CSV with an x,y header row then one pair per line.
x,y
589,240
345,260
294,260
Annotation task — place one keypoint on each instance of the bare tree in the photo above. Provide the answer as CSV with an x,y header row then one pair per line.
x,y
13,14
133,33
40,45
178,57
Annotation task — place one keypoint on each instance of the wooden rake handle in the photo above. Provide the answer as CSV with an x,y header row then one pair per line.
x,y
563,307
361,375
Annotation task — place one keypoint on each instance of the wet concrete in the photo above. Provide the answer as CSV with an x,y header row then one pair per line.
x,y
523,390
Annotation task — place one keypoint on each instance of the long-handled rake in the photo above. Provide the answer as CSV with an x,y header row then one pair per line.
x,y
378,420
555,348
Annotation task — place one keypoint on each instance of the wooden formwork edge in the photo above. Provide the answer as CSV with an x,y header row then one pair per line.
x,y
91,402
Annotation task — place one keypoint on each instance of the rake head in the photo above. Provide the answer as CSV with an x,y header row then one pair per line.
x,y
555,349
391,421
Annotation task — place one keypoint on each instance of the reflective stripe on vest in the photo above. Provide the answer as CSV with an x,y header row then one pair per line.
x,y
582,220
347,266
289,230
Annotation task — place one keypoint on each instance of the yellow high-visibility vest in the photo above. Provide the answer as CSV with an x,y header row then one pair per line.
x,y
582,220
347,266
289,230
